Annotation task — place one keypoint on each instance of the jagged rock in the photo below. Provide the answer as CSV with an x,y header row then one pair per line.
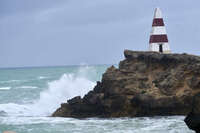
x,y
145,84
193,118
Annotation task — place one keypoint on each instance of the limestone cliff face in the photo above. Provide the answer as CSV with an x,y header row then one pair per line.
x,y
145,84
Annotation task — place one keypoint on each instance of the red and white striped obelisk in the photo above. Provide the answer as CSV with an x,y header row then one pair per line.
x,y
158,38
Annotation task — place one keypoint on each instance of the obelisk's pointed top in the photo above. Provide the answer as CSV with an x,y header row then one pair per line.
x,y
158,13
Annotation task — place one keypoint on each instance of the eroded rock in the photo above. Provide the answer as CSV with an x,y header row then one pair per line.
x,y
193,118
145,84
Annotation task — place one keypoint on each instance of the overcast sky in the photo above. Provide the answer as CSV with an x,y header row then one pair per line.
x,y
71,32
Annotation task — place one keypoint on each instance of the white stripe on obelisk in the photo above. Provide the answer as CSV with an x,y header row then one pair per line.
x,y
158,30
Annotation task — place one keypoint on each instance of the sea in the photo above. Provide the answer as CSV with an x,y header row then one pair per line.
x,y
28,97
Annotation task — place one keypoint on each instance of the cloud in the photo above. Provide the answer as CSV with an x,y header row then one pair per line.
x,y
65,32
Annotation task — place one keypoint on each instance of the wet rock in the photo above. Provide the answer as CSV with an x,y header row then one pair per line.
x,y
193,118
75,100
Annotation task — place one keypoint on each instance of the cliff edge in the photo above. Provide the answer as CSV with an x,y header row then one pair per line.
x,y
145,84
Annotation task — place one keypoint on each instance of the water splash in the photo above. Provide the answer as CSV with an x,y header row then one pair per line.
x,y
59,91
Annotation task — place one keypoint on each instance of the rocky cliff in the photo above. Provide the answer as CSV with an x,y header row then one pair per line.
x,y
145,84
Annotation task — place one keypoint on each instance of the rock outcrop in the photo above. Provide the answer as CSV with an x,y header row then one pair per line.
x,y
145,84
193,118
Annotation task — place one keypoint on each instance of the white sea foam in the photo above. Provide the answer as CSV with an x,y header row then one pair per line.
x,y
14,120
27,87
42,77
5,88
58,91
13,109
10,81
173,124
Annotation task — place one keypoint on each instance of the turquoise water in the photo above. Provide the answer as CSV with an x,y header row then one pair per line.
x,y
28,96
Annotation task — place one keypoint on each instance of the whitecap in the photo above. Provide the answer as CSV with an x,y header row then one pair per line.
x,y
42,77
10,81
58,91
5,88
13,109
14,120
171,124
27,87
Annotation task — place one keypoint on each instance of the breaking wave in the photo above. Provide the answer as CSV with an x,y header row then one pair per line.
x,y
42,77
5,88
27,87
59,91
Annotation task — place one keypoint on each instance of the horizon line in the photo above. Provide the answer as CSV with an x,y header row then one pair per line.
x,y
21,67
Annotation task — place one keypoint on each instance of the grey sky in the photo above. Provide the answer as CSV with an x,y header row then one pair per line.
x,y
71,32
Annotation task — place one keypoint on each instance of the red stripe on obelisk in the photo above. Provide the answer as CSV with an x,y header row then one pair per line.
x,y
158,38
158,22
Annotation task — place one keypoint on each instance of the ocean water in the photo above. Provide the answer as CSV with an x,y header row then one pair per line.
x,y
28,96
